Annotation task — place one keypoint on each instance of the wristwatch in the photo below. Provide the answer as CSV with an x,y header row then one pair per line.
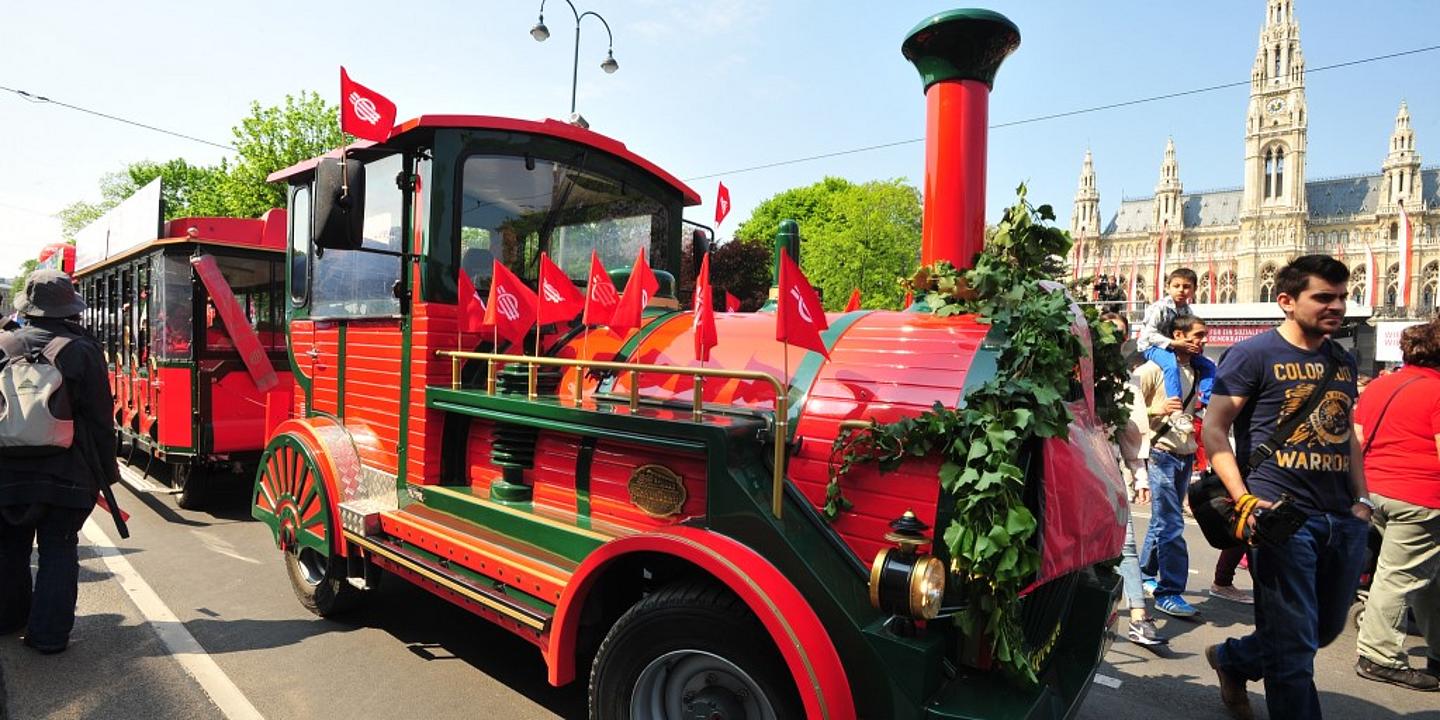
x,y
1366,502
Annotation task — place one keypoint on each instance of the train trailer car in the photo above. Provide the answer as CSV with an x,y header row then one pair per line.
x,y
191,319
648,523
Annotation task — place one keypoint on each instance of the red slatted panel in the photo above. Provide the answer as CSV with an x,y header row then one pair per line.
x,y
554,473
610,477
372,388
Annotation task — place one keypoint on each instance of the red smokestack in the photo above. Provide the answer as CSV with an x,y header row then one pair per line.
x,y
957,54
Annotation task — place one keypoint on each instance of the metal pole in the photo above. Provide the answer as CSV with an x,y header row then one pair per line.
x,y
575,66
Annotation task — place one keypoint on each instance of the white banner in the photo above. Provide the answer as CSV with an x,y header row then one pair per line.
x,y
1387,340
133,222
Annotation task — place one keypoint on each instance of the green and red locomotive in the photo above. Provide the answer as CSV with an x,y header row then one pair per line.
x,y
638,516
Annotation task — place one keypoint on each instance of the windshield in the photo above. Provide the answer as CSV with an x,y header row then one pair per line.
x,y
512,208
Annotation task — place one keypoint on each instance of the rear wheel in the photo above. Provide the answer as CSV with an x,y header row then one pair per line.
x,y
690,650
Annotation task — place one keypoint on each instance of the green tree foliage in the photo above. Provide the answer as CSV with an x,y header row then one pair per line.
x,y
853,235
273,138
742,269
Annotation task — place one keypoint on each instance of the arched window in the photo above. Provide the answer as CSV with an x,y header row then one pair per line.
x,y
1392,287
1394,232
1267,284
1277,61
1269,172
1429,285
1357,286
1227,287
1202,294
1279,171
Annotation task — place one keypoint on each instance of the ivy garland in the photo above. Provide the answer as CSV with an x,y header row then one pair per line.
x,y
990,538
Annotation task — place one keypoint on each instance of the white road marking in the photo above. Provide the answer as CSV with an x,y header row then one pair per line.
x,y
1107,681
181,644
222,547
139,482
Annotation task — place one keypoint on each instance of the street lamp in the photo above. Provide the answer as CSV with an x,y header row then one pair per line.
x,y
542,33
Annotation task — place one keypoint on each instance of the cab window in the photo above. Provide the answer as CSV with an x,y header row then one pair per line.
x,y
353,283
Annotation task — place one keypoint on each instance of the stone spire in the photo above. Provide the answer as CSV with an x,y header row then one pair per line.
x,y
1085,220
1276,121
1167,193
1401,168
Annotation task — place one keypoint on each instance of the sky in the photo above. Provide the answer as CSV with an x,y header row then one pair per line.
x,y
705,90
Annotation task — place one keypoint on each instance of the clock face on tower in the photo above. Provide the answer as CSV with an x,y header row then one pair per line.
x,y
1276,105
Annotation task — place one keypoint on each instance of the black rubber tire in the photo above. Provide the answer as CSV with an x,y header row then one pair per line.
x,y
326,596
686,616
193,486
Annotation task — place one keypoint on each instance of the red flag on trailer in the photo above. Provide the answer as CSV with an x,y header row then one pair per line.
x,y
799,318
909,299
722,204
511,306
364,113
600,295
732,303
703,322
641,286
472,308
854,303
560,300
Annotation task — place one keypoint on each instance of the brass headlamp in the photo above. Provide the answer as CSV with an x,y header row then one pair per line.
x,y
903,582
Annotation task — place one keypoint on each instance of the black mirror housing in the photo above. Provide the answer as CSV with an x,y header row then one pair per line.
x,y
338,221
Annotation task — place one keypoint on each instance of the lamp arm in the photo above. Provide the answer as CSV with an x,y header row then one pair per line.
x,y
609,38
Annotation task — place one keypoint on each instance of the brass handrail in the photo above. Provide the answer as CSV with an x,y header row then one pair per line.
x,y
782,399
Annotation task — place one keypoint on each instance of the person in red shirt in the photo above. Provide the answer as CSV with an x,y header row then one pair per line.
x,y
1398,423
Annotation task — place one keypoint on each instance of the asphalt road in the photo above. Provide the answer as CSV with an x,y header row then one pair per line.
x,y
407,654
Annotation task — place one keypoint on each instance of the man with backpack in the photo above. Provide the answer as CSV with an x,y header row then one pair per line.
x,y
57,440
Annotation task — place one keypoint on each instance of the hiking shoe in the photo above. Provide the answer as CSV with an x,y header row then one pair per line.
x,y
1232,689
43,649
1149,587
1175,606
1231,593
1143,632
1406,677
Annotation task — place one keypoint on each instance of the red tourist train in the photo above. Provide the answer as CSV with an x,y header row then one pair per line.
x,y
191,316
638,517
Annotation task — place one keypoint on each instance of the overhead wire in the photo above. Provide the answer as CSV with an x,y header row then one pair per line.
x,y
41,99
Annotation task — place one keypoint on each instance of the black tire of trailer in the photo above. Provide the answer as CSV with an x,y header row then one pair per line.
x,y
319,582
192,486
694,617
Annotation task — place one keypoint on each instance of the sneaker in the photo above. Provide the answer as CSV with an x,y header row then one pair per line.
x,y
1231,593
1149,587
1143,632
1175,606
43,649
1406,677
1232,689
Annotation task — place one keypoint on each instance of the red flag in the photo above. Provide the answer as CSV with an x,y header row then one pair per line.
x,y
1214,279
722,204
560,300
1407,248
638,290
800,318
511,306
703,323
600,295
732,303
471,308
854,303
1160,261
364,113
909,299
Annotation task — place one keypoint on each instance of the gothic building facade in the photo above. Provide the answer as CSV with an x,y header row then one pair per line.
x,y
1236,239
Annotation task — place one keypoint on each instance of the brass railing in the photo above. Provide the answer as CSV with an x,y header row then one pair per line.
x,y
782,399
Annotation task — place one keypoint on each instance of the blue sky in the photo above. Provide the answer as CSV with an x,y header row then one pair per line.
x,y
703,88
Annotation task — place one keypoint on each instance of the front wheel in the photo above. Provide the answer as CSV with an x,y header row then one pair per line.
x,y
690,650
319,582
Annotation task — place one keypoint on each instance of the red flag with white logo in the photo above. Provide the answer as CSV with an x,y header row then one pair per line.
x,y
732,303
641,286
722,204
703,321
472,308
600,294
364,113
511,306
854,303
800,318
560,300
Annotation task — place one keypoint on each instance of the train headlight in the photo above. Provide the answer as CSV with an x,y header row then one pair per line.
x,y
906,584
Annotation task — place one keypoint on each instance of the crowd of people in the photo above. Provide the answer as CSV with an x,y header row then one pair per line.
x,y
1312,471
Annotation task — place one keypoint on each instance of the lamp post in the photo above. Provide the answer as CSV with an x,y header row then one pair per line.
x,y
541,33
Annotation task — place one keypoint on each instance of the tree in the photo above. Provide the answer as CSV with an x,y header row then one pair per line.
x,y
273,138
187,190
742,269
864,236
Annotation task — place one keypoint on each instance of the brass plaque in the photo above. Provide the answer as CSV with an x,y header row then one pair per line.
x,y
657,490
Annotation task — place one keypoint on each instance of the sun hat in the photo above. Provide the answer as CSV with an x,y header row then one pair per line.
x,y
49,293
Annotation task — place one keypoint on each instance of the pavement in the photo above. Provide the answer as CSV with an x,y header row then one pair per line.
x,y
193,617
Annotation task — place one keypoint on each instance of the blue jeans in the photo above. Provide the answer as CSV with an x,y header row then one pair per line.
x,y
1303,593
1164,557
1203,367
49,610
1130,570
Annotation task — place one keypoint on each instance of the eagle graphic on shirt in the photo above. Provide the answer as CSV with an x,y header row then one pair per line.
x,y
1329,422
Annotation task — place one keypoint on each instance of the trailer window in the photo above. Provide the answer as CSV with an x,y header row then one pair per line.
x,y
256,282
513,208
172,308
349,283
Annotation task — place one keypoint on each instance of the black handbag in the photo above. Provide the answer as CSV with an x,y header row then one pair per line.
x,y
1224,521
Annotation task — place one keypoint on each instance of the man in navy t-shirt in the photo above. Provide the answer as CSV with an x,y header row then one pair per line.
x,y
1305,586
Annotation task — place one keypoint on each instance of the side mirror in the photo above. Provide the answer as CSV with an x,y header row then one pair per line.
x,y
339,216
699,245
